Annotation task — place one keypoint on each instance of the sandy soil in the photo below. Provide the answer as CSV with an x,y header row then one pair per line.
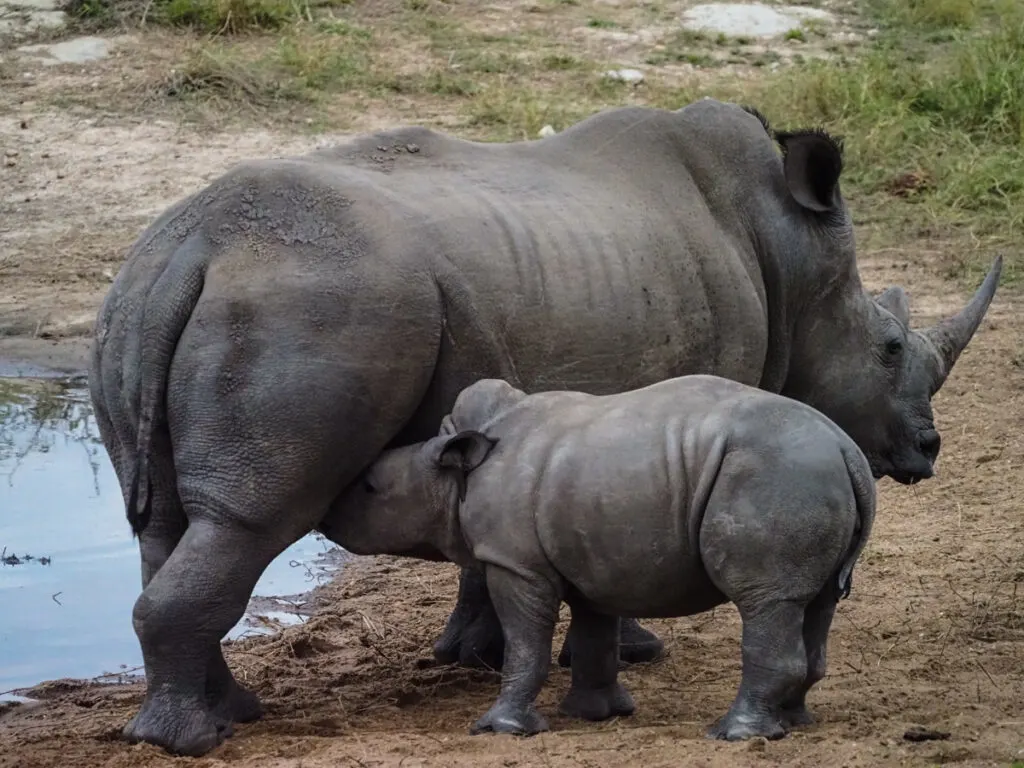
x,y
933,634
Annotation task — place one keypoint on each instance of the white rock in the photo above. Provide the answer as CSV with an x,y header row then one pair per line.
x,y
750,19
78,50
546,131
626,75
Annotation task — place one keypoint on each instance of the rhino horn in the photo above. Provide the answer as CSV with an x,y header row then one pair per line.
x,y
950,336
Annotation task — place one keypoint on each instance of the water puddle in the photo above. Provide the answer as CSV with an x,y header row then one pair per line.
x,y
69,567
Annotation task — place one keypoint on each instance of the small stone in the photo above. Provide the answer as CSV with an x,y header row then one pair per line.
x,y
24,124
546,131
412,148
61,174
626,75
11,153
757,744
10,162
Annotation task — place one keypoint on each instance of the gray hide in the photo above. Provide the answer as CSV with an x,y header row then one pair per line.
x,y
663,501
269,335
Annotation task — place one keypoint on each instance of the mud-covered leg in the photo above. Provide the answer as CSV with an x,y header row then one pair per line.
x,y
528,610
817,623
596,693
636,645
472,636
774,669
188,606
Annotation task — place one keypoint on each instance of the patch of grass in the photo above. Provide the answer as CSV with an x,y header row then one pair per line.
x,y
942,135
796,34
598,23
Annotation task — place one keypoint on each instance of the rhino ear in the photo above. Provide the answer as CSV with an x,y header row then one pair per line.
x,y
460,453
812,162
465,450
894,299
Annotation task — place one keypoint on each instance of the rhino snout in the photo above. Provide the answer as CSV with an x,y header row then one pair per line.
x,y
929,443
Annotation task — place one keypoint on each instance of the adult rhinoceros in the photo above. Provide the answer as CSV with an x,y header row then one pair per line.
x,y
268,336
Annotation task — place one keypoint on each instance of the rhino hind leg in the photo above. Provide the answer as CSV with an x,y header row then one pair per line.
x,y
774,669
596,693
817,623
528,610
229,701
188,606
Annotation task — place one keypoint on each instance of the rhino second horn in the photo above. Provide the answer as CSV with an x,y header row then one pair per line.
x,y
950,336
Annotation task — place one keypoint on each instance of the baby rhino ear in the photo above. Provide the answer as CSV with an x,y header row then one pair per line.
x,y
460,453
465,450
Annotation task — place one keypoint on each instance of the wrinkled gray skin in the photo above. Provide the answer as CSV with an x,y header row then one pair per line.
x,y
663,501
269,335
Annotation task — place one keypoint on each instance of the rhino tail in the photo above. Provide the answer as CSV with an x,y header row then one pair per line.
x,y
864,492
168,308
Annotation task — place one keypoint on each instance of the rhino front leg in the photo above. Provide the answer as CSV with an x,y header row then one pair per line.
x,y
528,610
636,645
817,623
188,606
774,670
596,693
472,636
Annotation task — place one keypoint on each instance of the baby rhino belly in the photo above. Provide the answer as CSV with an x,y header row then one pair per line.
x,y
629,564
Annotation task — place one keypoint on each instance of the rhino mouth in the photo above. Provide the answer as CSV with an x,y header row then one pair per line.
x,y
920,470
909,478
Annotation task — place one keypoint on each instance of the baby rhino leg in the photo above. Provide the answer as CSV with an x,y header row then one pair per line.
x,y
817,622
596,693
527,608
774,669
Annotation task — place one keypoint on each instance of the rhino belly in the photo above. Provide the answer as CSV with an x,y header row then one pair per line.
x,y
625,554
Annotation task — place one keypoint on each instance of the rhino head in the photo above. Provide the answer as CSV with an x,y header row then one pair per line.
x,y
854,356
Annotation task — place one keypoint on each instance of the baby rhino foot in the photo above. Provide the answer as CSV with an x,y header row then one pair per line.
x,y
736,727
191,731
506,718
597,704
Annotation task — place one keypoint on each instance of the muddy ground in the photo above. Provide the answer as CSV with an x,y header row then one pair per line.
x,y
932,635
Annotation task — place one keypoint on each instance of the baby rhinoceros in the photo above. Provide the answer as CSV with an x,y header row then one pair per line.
x,y
657,502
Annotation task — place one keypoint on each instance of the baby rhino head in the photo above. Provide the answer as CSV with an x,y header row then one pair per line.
x,y
403,503
424,473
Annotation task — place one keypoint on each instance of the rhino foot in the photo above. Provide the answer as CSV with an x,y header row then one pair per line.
x,y
192,732
739,726
238,705
636,645
796,715
503,717
598,704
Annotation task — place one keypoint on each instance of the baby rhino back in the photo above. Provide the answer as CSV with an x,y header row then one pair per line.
x,y
639,494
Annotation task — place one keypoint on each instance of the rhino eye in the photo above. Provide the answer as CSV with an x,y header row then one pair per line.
x,y
894,347
367,485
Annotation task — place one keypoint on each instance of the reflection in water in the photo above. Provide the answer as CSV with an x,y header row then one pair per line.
x,y
67,606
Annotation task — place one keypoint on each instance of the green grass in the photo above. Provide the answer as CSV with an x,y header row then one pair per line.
x,y
932,109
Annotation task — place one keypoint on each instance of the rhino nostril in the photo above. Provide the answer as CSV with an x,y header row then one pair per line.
x,y
929,444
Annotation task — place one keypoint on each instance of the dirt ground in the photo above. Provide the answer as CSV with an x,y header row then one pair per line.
x,y
932,635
